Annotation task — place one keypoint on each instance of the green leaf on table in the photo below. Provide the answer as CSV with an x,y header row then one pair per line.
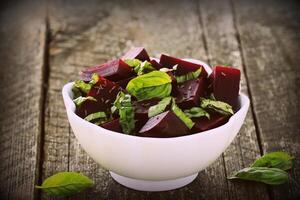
x,y
96,116
218,106
86,87
124,105
196,112
188,76
279,159
155,84
65,184
79,100
270,176
180,114
160,107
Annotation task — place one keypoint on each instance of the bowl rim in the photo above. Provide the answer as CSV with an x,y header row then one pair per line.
x,y
70,107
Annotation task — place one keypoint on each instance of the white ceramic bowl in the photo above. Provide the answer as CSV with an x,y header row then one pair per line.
x,y
153,164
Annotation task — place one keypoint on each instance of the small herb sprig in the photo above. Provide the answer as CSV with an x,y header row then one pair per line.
x,y
269,169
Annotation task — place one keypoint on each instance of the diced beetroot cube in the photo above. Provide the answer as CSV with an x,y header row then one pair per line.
x,y
123,83
183,67
141,111
155,64
113,70
105,92
113,125
189,92
166,124
226,84
88,107
203,124
138,53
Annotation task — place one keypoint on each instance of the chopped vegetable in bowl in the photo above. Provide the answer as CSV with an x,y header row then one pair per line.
x,y
140,96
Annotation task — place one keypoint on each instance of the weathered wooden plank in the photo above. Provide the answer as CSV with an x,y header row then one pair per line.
x,y
93,32
22,45
223,48
269,35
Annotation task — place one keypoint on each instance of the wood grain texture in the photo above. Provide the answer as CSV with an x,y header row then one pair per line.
x,y
22,43
223,49
270,38
93,32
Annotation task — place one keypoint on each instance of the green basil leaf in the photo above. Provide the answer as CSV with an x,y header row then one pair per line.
x,y
86,87
188,76
133,62
180,114
271,176
218,106
144,68
196,112
150,85
140,67
160,107
76,92
82,86
280,160
79,100
94,79
65,184
96,115
126,112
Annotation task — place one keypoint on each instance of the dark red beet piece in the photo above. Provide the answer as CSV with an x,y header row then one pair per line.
x,y
141,111
166,124
189,92
226,84
155,64
203,124
174,84
183,67
113,70
138,53
105,92
88,107
113,125
123,83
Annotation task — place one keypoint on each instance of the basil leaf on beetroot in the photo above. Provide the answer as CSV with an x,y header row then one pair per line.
x,y
188,76
82,86
86,87
155,84
196,112
124,105
65,184
279,159
96,115
79,100
218,106
76,92
180,114
270,176
143,68
140,67
160,107
133,62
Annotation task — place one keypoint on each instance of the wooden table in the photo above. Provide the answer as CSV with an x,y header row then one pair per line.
x,y
45,44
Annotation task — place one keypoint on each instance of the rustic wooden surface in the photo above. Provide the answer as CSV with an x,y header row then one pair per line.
x,y
44,45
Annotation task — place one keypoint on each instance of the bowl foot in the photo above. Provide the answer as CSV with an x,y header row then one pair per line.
x,y
153,186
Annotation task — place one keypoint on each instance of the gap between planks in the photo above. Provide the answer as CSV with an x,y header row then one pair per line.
x,y
43,102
